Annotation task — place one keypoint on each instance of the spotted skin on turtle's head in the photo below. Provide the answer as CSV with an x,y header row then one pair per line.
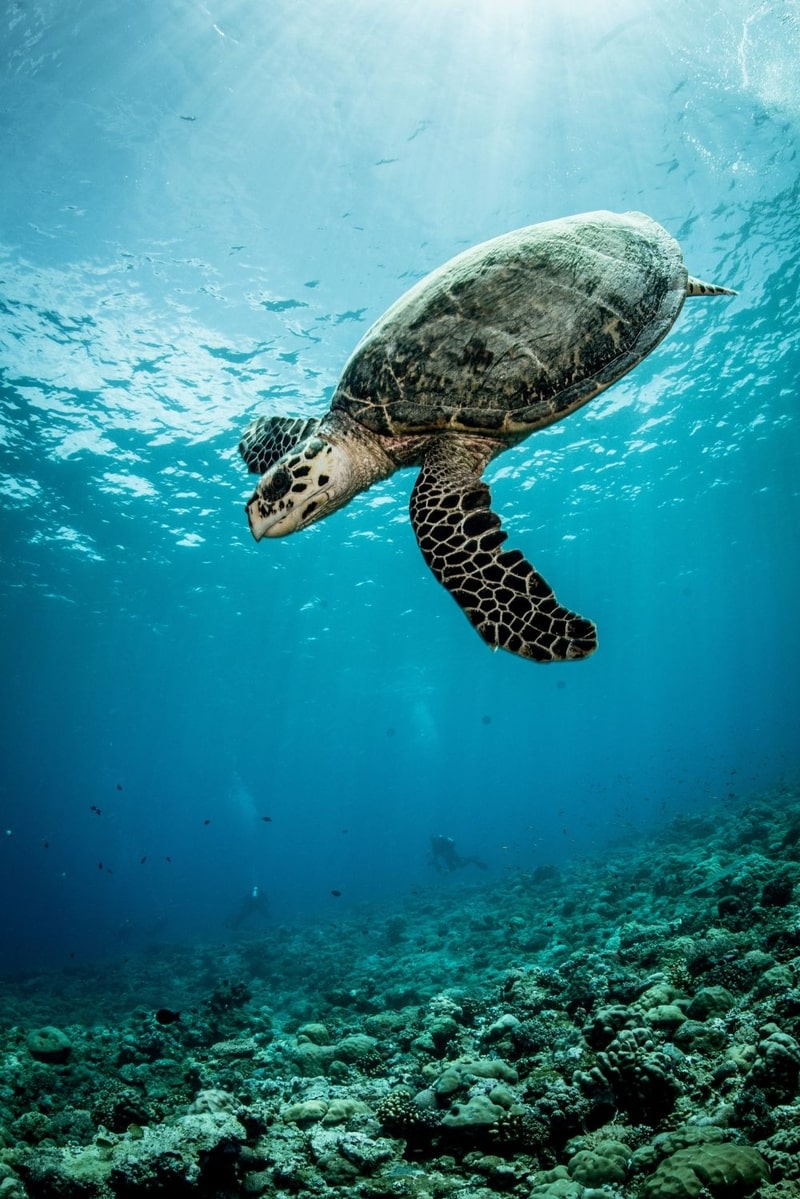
x,y
296,490
315,476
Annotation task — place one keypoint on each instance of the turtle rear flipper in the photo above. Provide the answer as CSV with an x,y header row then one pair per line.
x,y
507,601
268,438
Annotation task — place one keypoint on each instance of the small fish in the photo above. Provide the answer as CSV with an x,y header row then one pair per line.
x,y
167,858
165,1015
206,822
336,893
99,865
119,786
267,819
94,808
143,860
46,844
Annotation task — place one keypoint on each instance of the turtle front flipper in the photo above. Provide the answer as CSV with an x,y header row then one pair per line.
x,y
510,605
268,438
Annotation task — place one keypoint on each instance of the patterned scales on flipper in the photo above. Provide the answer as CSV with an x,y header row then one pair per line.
x,y
268,438
506,600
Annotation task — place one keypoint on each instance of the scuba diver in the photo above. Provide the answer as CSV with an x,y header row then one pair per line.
x,y
253,904
446,858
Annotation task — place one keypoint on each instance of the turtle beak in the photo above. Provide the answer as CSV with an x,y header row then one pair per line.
x,y
271,520
266,520
258,524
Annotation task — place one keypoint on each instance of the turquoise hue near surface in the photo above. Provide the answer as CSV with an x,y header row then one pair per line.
x,y
202,210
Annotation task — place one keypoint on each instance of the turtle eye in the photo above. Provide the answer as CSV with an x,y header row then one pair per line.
x,y
276,487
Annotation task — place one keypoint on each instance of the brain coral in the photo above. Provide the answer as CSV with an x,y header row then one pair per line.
x,y
724,1170
48,1044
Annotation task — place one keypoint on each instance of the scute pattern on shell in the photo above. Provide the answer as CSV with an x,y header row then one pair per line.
x,y
515,333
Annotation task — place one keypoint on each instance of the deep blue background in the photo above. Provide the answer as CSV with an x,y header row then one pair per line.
x,y
202,208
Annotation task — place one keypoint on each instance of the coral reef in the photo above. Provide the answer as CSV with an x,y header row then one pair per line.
x,y
642,1041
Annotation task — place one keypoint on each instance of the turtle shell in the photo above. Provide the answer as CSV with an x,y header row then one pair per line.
x,y
517,332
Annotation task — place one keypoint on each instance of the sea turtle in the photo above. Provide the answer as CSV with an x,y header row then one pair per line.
x,y
505,338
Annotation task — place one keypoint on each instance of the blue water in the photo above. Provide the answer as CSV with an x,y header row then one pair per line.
x,y
202,209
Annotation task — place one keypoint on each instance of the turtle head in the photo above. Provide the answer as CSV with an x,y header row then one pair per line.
x,y
314,479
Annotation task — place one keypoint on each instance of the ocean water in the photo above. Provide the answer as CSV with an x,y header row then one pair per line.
x,y
203,207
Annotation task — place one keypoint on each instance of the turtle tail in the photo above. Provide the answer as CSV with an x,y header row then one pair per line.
x,y
697,287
